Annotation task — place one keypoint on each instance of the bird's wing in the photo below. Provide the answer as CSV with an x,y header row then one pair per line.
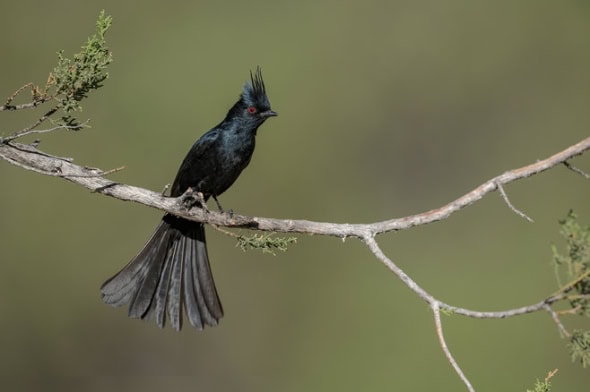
x,y
195,165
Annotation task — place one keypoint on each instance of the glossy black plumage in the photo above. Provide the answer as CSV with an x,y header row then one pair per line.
x,y
172,271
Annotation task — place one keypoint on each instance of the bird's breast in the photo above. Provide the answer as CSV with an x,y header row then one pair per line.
x,y
238,150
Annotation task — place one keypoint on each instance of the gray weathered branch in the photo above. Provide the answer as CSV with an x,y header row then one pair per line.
x,y
31,158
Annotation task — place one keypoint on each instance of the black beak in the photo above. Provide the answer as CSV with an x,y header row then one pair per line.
x,y
268,113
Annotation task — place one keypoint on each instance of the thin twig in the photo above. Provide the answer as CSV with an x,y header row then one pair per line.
x,y
29,131
412,285
369,240
29,105
504,313
58,173
550,374
39,96
570,285
566,312
441,338
573,297
117,169
99,174
17,92
36,99
511,206
555,317
576,170
226,232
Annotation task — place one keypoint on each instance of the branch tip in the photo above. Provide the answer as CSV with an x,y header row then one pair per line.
x,y
576,170
510,205
562,330
435,306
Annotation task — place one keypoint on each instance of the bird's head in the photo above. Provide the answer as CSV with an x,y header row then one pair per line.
x,y
254,104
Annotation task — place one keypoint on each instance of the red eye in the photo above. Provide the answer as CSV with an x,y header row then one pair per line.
x,y
251,109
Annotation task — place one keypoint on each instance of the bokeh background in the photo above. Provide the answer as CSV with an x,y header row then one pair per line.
x,y
387,108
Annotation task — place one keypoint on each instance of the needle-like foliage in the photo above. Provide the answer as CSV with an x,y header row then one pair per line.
x,y
574,266
73,78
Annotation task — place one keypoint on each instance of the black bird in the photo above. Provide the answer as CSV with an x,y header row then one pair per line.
x,y
172,271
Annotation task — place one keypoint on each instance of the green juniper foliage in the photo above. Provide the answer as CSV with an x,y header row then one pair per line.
x,y
574,266
73,78
68,84
541,386
545,385
580,346
266,242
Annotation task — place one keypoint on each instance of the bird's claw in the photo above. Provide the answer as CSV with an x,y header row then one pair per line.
x,y
201,200
230,213
190,198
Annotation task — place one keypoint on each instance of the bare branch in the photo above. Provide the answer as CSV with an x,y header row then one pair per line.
x,y
437,305
505,313
39,97
511,206
30,130
550,374
576,170
570,285
29,105
43,164
485,188
11,98
441,338
558,322
412,285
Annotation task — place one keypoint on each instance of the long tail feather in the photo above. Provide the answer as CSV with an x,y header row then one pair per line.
x,y
170,273
203,305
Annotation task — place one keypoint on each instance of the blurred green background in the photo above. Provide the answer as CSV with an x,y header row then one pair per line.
x,y
387,108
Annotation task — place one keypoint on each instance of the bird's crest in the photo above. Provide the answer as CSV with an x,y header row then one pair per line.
x,y
254,93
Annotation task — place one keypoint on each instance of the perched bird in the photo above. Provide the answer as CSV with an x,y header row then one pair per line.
x,y
172,270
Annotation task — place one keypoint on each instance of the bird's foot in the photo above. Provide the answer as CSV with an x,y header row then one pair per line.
x,y
219,207
190,199
201,200
228,212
